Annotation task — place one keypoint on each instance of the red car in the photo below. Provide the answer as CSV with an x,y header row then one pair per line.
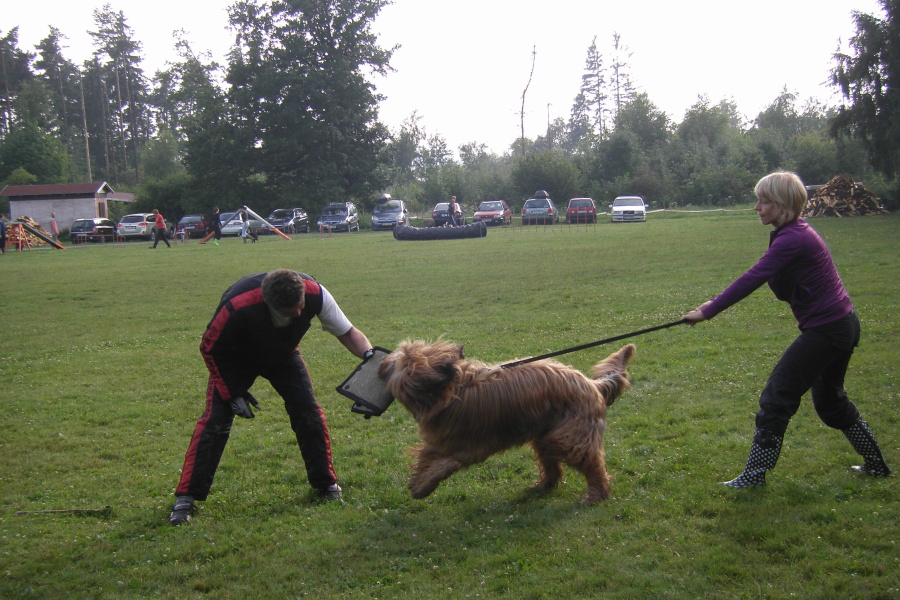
x,y
493,212
581,210
192,226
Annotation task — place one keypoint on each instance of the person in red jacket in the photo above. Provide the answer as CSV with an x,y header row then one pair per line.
x,y
255,332
161,233
800,271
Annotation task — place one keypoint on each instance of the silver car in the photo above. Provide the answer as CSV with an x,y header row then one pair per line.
x,y
539,211
234,227
138,225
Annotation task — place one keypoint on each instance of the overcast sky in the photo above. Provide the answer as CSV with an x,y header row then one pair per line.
x,y
462,65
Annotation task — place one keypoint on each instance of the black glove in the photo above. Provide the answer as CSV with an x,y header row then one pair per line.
x,y
241,407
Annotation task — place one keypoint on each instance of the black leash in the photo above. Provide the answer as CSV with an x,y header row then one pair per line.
x,y
516,363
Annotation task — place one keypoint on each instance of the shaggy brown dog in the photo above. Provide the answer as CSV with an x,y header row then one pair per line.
x,y
467,411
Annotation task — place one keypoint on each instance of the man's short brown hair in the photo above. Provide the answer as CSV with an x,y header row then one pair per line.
x,y
283,288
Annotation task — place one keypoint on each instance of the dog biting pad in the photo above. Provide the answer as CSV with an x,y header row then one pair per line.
x,y
367,390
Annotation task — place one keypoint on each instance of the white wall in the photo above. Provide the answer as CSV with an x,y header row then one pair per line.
x,y
67,210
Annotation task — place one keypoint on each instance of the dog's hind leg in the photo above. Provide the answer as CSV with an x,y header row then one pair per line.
x,y
549,464
430,470
594,470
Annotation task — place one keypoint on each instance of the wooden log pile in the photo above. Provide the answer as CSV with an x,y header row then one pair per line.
x,y
843,197
33,240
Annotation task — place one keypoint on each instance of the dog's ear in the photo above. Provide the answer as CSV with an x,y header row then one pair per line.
x,y
446,371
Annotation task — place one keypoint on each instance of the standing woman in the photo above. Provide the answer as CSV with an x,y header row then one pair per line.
x,y
216,225
800,271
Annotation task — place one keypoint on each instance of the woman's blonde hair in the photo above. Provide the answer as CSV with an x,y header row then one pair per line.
x,y
786,191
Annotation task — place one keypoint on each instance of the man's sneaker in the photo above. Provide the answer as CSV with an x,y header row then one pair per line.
x,y
332,492
181,513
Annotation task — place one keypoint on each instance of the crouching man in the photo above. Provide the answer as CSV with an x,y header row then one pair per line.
x,y
255,332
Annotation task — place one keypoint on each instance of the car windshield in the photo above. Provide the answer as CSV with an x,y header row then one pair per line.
x,y
281,213
441,206
335,211
389,206
191,219
490,206
536,203
580,203
628,202
225,217
133,219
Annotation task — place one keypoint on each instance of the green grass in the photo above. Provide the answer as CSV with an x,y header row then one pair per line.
x,y
102,383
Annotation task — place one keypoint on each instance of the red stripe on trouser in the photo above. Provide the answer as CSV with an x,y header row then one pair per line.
x,y
207,445
291,381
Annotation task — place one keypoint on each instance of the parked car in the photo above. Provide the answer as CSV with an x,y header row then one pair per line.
x,y
628,208
138,225
389,213
192,226
142,225
92,230
493,212
340,216
581,210
289,220
540,210
441,214
234,227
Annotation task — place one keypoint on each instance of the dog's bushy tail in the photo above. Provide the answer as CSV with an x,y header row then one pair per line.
x,y
611,376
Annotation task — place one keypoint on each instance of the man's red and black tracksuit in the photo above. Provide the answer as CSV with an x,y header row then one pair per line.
x,y
242,343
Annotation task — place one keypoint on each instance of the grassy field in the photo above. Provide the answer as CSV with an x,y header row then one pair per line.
x,y
102,382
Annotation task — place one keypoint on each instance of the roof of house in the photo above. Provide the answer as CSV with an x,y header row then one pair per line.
x,y
56,190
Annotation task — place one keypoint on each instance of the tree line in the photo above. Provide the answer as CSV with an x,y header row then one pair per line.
x,y
291,120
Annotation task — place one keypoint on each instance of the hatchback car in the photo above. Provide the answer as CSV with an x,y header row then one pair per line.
x,y
628,208
493,212
440,214
339,216
539,210
581,210
92,230
191,226
138,225
289,220
389,213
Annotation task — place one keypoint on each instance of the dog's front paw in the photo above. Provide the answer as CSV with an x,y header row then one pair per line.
x,y
421,491
545,485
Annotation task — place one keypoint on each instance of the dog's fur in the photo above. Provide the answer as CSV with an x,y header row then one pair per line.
x,y
467,411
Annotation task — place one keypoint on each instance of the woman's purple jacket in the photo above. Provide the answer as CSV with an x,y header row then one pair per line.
x,y
799,269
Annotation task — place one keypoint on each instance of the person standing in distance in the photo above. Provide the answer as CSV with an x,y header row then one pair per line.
x,y
454,212
54,228
161,232
215,224
798,267
255,332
